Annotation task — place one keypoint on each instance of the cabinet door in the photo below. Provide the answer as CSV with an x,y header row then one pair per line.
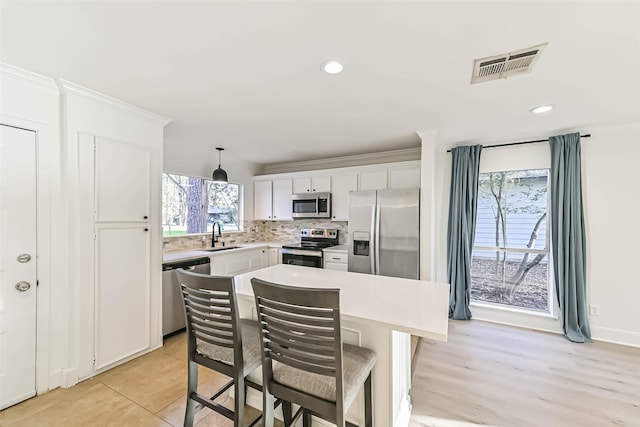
x,y
262,199
302,185
373,180
321,184
342,185
122,292
282,204
122,180
404,178
274,256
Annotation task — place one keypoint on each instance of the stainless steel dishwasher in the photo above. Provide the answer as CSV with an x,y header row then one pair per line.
x,y
172,311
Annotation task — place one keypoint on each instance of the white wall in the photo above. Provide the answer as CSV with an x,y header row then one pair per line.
x,y
609,160
31,101
196,161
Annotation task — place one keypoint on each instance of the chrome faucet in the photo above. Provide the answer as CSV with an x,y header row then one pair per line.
x,y
214,239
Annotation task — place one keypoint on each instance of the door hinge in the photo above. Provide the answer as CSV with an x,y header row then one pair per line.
x,y
37,283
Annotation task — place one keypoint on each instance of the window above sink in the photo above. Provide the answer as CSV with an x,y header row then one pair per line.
x,y
191,205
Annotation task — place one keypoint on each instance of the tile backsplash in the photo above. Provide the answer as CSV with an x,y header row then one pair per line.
x,y
255,231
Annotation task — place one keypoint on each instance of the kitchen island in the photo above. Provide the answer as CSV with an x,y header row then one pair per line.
x,y
378,312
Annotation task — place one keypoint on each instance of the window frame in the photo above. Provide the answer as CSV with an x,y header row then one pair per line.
x,y
203,206
551,294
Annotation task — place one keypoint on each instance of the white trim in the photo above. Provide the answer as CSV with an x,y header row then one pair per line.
x,y
512,309
337,170
69,377
408,154
615,336
12,72
67,87
55,379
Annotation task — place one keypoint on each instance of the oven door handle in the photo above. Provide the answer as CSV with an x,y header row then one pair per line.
x,y
317,254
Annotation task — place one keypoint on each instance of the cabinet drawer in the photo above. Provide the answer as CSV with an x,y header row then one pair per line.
x,y
336,266
335,257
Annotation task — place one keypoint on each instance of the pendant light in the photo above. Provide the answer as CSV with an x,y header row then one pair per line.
x,y
219,175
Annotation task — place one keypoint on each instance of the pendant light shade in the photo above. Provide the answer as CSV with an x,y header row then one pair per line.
x,y
220,175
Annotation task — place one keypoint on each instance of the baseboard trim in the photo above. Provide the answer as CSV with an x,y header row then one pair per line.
x,y
598,333
615,336
55,380
69,377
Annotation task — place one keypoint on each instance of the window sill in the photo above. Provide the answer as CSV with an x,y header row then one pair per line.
x,y
501,307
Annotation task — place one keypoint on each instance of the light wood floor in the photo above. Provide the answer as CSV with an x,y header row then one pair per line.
x,y
503,376
147,391
486,374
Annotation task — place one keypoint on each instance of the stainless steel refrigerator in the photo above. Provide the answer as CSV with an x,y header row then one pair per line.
x,y
384,232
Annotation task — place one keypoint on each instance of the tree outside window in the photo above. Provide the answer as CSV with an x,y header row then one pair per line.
x,y
191,205
510,259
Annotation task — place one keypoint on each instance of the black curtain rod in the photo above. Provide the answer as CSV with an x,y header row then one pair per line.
x,y
523,142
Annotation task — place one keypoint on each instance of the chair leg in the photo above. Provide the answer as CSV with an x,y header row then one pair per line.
x,y
368,405
287,413
306,418
268,402
238,400
192,387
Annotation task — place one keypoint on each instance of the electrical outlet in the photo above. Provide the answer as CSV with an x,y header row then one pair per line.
x,y
594,310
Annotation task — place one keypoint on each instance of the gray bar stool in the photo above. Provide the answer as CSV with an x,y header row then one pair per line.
x,y
219,340
303,358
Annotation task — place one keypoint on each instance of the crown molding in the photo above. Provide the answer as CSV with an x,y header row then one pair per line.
x,y
67,87
345,161
16,73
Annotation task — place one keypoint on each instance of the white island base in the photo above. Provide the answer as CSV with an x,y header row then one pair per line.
x,y
379,313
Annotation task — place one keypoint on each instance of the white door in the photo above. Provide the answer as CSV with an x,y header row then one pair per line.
x,y
342,185
17,265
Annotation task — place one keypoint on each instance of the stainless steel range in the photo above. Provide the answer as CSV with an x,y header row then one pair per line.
x,y
309,251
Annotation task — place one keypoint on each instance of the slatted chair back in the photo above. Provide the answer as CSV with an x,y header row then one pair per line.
x,y
211,312
301,329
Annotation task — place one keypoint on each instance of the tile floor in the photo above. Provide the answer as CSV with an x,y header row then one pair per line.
x,y
147,391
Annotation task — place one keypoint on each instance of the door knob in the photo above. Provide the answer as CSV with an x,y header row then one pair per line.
x,y
22,258
23,286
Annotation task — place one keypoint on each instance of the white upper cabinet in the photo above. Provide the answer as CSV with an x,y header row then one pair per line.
x,y
312,184
373,180
263,202
342,185
122,180
282,205
405,177
272,199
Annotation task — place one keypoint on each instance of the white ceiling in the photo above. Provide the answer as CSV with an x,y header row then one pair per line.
x,y
245,75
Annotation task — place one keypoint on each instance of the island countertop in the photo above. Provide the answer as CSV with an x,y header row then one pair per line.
x,y
413,306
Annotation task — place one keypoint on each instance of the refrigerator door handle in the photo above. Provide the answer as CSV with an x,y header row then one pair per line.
x,y
376,237
372,242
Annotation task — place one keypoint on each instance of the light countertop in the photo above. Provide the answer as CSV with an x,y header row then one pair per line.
x,y
196,253
338,248
417,307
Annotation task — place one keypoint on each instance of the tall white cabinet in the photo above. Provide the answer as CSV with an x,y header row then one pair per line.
x,y
116,239
123,249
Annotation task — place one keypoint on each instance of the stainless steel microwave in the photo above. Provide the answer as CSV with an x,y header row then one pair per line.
x,y
311,205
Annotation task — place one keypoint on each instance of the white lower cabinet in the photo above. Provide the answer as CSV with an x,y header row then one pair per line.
x,y
123,292
230,264
275,257
336,260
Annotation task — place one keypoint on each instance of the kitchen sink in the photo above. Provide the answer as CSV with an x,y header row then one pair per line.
x,y
220,248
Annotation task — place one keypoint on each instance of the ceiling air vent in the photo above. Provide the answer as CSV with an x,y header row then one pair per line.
x,y
506,65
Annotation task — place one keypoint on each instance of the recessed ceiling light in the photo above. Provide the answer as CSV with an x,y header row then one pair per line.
x,y
541,109
331,67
